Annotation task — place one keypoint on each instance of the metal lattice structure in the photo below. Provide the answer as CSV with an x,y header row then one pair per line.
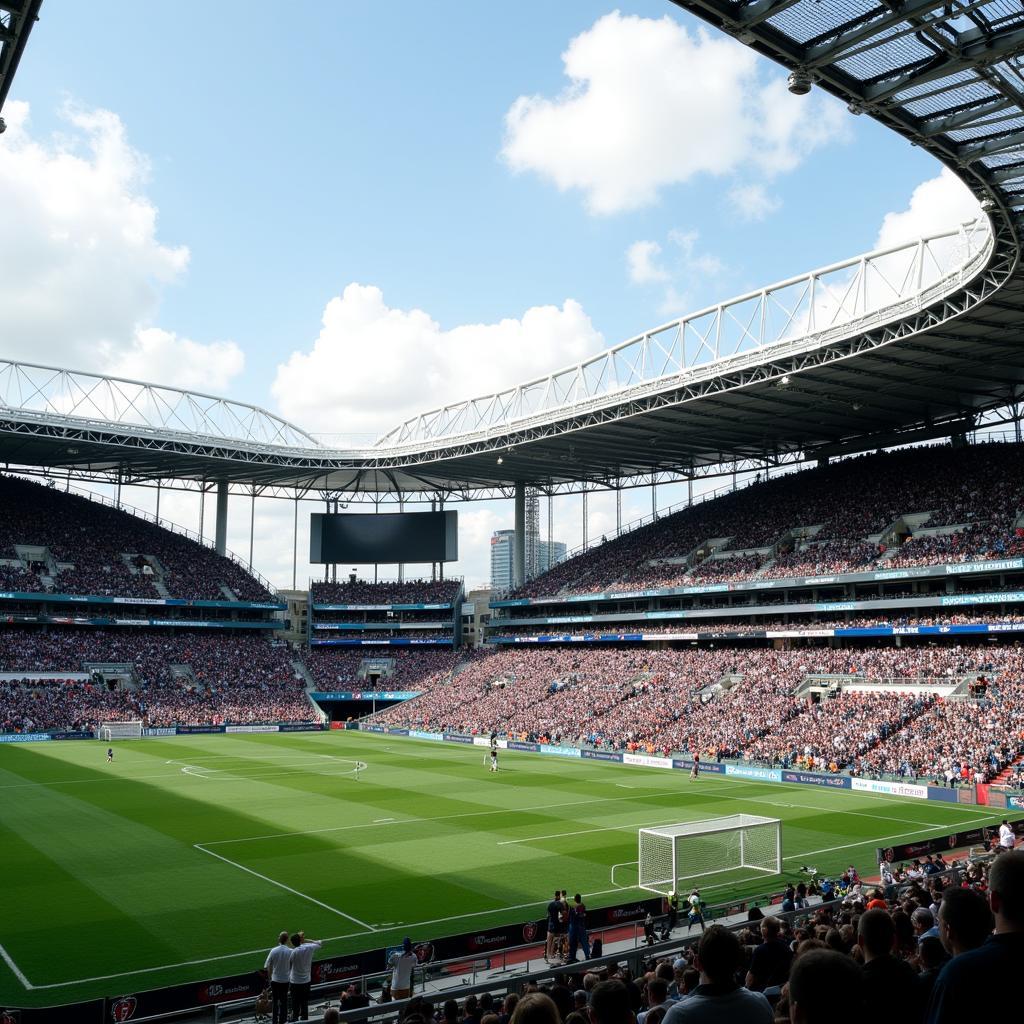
x,y
917,342
56,396
800,313
16,20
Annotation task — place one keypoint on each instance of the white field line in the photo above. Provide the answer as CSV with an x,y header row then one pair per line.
x,y
728,785
861,814
872,842
421,924
727,782
928,827
229,773
15,969
442,817
287,888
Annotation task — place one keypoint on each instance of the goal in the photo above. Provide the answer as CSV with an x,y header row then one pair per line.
x,y
119,730
674,854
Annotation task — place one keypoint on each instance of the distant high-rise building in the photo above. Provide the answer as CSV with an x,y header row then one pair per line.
x,y
549,554
502,549
545,555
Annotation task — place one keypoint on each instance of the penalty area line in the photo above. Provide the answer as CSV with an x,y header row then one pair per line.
x,y
287,888
15,969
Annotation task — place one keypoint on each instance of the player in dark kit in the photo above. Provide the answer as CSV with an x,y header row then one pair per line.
x,y
695,770
110,755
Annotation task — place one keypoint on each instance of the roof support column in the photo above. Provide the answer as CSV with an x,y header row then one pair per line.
x,y
519,539
295,544
220,542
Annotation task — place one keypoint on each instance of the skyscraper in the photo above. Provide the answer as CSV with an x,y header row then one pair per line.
x,y
502,549
545,555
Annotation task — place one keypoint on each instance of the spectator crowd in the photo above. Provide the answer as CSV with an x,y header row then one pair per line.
x,y
89,548
819,522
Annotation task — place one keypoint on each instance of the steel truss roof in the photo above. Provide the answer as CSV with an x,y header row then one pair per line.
x,y
16,20
916,342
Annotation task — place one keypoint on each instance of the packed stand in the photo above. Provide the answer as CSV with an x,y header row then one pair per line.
x,y
979,487
228,679
385,592
733,703
338,668
98,550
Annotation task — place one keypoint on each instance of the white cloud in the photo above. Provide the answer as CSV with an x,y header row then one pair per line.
x,y
936,204
373,366
641,259
162,356
649,105
84,268
674,270
753,202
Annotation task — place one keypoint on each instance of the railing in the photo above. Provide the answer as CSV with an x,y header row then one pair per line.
x,y
48,392
781,319
166,524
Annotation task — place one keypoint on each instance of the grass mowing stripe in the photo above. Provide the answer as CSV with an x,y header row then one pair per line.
x,y
414,841
287,888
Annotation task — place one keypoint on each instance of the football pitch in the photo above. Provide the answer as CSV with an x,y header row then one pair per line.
x,y
184,858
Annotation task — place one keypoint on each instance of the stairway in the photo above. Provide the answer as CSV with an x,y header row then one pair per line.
x,y
303,673
1005,777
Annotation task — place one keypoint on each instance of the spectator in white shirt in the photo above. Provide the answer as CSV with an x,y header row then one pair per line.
x,y
402,965
1006,837
278,967
301,973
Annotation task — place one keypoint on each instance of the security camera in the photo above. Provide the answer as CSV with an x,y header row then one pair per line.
x,y
3,126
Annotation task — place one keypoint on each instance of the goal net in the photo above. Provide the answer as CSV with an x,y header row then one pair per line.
x,y
674,854
119,730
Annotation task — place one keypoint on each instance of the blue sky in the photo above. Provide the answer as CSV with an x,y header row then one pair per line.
x,y
295,151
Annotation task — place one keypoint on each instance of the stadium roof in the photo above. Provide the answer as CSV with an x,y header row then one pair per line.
x,y
917,342
16,20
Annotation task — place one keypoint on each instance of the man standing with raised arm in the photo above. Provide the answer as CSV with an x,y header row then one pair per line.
x,y
301,973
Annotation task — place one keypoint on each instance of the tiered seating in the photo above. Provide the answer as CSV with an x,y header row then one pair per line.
x,y
337,668
637,698
95,539
386,592
979,488
234,679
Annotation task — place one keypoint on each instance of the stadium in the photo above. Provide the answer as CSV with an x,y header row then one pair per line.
x,y
812,672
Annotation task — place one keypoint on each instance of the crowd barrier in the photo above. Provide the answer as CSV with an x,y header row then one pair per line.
x,y
167,730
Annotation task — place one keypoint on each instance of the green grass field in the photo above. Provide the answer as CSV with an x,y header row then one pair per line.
x,y
186,857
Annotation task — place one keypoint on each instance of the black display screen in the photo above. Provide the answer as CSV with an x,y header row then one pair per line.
x,y
383,538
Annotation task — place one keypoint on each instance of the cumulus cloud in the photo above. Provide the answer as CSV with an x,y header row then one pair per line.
x,y
641,258
936,204
674,270
373,366
164,357
649,105
753,202
84,268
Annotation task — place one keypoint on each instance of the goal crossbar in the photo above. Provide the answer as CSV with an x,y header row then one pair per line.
x,y
672,855
131,730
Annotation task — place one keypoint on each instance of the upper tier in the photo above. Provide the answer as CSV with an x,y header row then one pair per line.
x,y
913,507
59,543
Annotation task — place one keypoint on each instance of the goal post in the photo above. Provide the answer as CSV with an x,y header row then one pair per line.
x,y
108,731
672,855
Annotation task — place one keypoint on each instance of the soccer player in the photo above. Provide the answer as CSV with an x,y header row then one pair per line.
x,y
494,759
695,770
110,755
